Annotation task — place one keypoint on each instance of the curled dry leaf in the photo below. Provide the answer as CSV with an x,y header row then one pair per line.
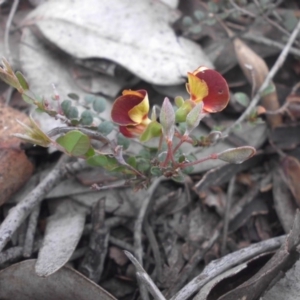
x,y
16,169
256,70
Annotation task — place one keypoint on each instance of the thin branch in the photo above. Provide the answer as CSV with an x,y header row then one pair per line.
x,y
265,41
7,29
155,249
29,240
140,219
20,212
225,263
145,278
281,59
226,215
138,228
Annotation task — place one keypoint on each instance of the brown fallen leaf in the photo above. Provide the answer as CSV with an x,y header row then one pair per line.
x,y
256,70
15,169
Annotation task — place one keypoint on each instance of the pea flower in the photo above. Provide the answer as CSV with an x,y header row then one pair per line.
x,y
209,86
130,112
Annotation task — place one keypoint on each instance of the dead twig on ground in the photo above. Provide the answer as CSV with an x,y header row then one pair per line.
x,y
279,62
7,29
138,229
31,229
227,214
265,41
145,278
225,263
155,249
20,212
93,262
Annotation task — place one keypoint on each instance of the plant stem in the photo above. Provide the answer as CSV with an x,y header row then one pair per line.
x,y
183,139
211,156
169,154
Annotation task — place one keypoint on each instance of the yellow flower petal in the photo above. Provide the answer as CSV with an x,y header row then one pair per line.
x,y
197,88
140,111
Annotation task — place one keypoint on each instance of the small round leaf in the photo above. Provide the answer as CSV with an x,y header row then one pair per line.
x,y
73,96
73,113
99,104
86,118
123,141
65,106
89,99
105,127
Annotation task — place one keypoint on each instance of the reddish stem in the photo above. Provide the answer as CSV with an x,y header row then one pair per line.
x,y
211,156
169,154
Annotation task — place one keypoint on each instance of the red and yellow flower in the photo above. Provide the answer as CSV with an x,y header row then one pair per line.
x,y
130,112
209,86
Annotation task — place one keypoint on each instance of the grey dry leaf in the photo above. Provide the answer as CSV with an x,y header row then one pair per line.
x,y
237,155
135,34
19,281
287,288
63,231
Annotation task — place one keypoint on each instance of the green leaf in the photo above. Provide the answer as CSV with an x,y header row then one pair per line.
x,y
271,88
199,15
187,21
98,160
104,161
75,142
27,99
34,134
242,98
210,21
155,171
179,101
180,177
212,7
73,96
194,117
144,153
66,106
196,29
90,152
89,99
237,155
143,165
123,141
22,81
152,130
86,118
132,161
167,119
289,19
99,104
73,113
106,127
